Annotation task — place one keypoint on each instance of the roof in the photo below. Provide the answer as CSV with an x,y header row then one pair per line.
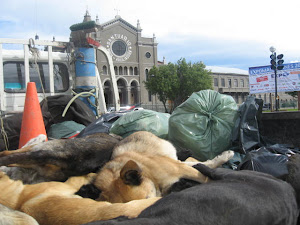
x,y
120,20
219,69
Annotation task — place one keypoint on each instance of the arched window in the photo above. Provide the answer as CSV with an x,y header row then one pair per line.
x,y
125,70
135,71
149,93
120,70
146,73
130,71
104,70
116,70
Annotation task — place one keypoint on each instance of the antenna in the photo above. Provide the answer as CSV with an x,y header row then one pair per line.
x,y
117,11
35,14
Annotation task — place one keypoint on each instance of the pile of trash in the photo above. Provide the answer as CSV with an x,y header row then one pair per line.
x,y
205,125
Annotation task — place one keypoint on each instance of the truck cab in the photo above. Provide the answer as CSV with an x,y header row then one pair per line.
x,y
49,70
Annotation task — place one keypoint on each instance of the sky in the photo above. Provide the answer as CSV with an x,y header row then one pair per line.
x,y
231,34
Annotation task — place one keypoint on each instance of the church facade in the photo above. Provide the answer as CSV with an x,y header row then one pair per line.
x,y
133,56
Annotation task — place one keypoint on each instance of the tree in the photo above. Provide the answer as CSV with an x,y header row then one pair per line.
x,y
176,82
294,94
161,81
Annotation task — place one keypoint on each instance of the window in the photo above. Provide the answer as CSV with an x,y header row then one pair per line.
x,y
229,82
130,71
223,82
125,70
120,70
104,70
216,82
119,48
14,76
116,70
235,82
242,83
148,55
135,71
149,93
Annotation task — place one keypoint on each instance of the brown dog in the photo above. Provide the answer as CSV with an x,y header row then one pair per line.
x,y
145,166
55,202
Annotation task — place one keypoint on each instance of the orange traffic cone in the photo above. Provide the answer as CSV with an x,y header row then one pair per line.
x,y
32,121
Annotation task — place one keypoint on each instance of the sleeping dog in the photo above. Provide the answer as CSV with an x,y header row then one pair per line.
x,y
230,198
145,166
55,202
56,160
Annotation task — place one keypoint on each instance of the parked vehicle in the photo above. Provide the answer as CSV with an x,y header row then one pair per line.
x,y
52,72
125,109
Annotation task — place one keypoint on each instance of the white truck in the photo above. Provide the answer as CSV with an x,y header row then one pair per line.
x,y
52,72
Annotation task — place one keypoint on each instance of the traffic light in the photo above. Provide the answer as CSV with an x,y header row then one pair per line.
x,y
276,62
280,62
273,62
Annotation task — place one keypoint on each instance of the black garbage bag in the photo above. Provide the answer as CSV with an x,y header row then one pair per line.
x,y
246,131
101,125
52,110
272,160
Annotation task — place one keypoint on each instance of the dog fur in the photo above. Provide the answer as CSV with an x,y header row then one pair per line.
x,y
13,217
56,160
145,166
230,198
55,202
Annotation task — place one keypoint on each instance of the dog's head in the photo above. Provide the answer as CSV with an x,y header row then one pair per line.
x,y
126,183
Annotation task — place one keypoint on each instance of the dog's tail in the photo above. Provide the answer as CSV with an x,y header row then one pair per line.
x,y
293,176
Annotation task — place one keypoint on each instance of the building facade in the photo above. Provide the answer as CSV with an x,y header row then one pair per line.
x,y
235,82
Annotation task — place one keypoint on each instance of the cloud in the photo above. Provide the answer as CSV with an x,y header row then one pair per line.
x,y
217,32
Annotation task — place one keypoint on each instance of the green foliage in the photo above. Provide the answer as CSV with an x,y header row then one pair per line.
x,y
293,94
82,26
176,82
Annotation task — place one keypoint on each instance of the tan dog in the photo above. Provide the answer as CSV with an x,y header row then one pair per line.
x,y
145,166
52,203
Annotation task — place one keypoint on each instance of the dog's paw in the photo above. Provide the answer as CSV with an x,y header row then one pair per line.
x,y
227,155
36,140
2,174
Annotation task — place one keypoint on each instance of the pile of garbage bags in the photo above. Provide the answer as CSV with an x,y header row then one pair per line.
x,y
203,126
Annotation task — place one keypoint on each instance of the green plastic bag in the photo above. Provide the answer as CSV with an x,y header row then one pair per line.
x,y
203,124
142,120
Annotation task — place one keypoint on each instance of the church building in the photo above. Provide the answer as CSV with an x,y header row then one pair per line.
x,y
133,56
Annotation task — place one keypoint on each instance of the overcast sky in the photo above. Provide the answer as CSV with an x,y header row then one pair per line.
x,y
231,33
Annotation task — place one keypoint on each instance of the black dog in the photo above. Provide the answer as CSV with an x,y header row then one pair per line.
x,y
59,159
231,198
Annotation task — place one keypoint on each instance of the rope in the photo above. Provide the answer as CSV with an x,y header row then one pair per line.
x,y
35,52
81,94
4,134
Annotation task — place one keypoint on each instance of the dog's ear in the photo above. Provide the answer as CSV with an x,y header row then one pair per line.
x,y
131,173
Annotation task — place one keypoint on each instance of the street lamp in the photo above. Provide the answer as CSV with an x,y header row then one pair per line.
x,y
276,64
